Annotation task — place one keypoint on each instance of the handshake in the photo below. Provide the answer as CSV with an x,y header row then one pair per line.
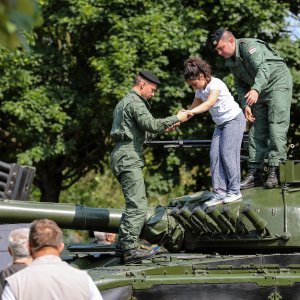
x,y
183,115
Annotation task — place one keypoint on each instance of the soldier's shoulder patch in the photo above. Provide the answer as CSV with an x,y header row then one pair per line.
x,y
252,50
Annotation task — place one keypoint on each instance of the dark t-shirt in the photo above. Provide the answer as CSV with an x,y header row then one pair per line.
x,y
8,272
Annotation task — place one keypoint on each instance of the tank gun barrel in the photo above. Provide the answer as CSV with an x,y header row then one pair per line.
x,y
67,216
189,143
181,143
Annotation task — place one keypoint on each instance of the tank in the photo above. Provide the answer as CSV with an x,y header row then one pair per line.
x,y
243,250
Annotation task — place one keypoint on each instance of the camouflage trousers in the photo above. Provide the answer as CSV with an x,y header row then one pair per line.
x,y
268,134
133,219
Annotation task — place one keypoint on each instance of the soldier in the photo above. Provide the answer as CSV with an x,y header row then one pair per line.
x,y
264,86
132,121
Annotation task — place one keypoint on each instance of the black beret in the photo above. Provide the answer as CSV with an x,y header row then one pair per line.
x,y
215,37
149,76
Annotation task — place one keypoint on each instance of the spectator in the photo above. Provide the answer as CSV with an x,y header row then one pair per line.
x,y
104,238
48,277
18,249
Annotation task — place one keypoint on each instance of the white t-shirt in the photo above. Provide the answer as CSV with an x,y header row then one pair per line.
x,y
225,109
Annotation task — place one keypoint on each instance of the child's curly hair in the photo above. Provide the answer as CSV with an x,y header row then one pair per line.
x,y
194,66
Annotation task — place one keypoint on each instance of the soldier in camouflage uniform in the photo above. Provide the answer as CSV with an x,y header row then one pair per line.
x,y
132,121
264,86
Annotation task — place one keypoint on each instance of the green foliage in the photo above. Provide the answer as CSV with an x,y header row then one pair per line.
x,y
103,190
95,190
254,18
290,51
16,18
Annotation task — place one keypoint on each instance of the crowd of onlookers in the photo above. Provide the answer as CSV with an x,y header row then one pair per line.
x,y
37,271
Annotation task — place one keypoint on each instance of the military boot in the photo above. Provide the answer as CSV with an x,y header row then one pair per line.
x,y
273,177
132,255
253,178
135,255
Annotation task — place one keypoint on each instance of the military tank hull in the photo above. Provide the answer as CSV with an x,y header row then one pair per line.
x,y
247,249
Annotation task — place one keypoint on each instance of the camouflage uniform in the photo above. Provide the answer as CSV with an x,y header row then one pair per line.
x,y
131,123
256,66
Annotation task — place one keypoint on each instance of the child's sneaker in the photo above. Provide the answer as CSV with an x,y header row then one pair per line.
x,y
232,197
214,200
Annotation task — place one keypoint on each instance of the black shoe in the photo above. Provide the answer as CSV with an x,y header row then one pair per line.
x,y
253,178
273,178
135,255
119,251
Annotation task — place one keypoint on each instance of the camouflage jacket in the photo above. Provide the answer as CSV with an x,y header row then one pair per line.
x,y
253,66
132,121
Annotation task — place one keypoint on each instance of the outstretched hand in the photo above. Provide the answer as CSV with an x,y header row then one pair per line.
x,y
190,113
184,115
172,127
248,114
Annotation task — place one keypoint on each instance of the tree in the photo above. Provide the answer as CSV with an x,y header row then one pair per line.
x,y
17,18
58,100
